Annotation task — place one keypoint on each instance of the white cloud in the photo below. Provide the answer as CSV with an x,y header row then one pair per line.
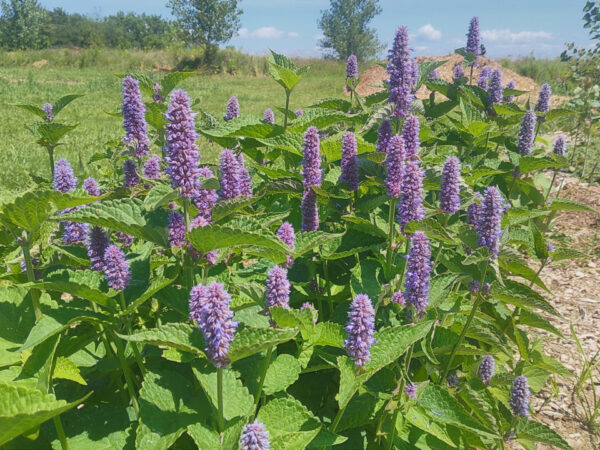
x,y
267,33
429,33
521,37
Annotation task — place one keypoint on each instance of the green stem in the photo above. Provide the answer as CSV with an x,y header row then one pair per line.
x,y
406,248
61,433
328,286
220,398
35,294
471,75
338,417
512,186
439,252
391,229
551,184
287,106
468,324
127,374
134,347
51,159
262,379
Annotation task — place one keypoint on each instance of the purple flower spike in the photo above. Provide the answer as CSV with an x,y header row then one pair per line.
x,y
116,268
510,85
245,180
64,179
473,44
360,328
152,167
416,286
288,237
488,221
527,133
230,176
401,70
410,134
97,243
310,211
560,146
543,103
549,247
434,75
450,190
156,96
134,119
519,397
495,90
130,175
125,239
269,116
311,164
398,298
352,67
411,201
484,77
452,380
205,198
176,229
74,232
233,109
299,112
255,437
182,151
209,307
458,72
473,211
278,288
384,134
349,162
91,187
486,369
47,108
395,166
411,390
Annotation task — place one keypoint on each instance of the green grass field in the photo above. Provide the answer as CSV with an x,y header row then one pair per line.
x,y
21,156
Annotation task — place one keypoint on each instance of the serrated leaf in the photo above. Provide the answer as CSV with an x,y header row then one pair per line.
x,y
282,373
364,278
519,295
23,409
49,134
290,424
537,242
332,103
563,204
181,336
154,287
33,109
417,417
537,321
307,241
328,333
444,408
538,432
66,369
250,340
383,113
530,163
227,207
244,127
321,118
171,80
60,104
290,142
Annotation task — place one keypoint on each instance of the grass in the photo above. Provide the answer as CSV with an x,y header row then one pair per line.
x,y
22,157
552,71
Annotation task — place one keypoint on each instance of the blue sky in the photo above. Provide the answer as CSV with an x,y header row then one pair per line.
x,y
509,27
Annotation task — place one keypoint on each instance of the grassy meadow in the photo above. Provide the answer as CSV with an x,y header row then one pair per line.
x,y
22,157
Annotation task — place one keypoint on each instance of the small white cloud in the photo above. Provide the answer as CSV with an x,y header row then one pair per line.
x,y
294,35
515,38
429,33
243,32
267,33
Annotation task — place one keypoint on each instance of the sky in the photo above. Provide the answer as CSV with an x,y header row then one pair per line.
x,y
510,28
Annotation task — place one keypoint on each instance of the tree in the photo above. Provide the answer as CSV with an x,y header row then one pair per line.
x,y
207,22
21,24
345,29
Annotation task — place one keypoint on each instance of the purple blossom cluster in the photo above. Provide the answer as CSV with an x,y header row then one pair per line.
x,y
411,390
125,239
91,187
486,368
560,146
311,173
64,178
233,109
209,307
299,112
176,229
543,103
395,166
473,210
156,95
74,232
134,119
450,189
473,42
527,132
116,268
47,108
410,206
484,77
434,74
310,211
245,180
181,149
278,288
269,116
288,237
97,243
495,91
384,134
398,298
152,167
418,268
519,397
130,175
410,134
402,74
510,85
255,437
360,329
489,218
205,199
351,67
230,178
349,162
457,72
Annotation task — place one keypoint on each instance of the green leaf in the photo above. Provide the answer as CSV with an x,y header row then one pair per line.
x,y
338,104
243,127
49,134
364,278
530,163
537,321
154,287
250,340
519,295
159,195
171,80
383,113
563,204
66,369
321,118
124,215
282,373
23,409
307,241
328,333
168,405
237,401
33,109
290,142
538,432
418,418
556,113
64,101
290,424
227,207
442,407
538,242
181,336
425,68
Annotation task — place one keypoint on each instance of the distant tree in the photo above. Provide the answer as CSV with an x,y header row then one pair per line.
x,y
207,22
346,31
22,23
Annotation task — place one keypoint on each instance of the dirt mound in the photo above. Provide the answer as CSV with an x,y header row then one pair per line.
x,y
372,79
